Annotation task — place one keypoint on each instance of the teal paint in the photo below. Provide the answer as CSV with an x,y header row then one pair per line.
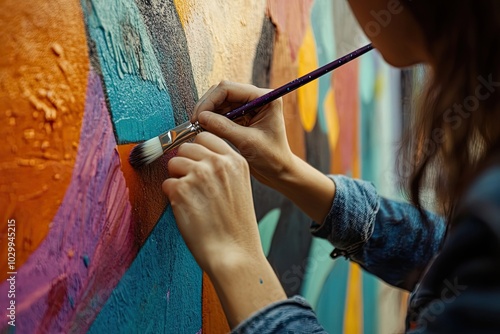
x,y
267,227
171,49
370,303
324,34
367,77
369,128
331,304
368,134
86,260
318,268
160,292
137,93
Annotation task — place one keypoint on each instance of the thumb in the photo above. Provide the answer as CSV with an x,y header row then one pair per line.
x,y
221,126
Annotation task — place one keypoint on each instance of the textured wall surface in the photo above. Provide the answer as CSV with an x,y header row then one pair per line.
x,y
97,247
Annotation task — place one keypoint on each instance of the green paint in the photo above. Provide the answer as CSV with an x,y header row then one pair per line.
x,y
267,226
318,267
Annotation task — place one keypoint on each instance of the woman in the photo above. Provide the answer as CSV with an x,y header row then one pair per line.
x,y
452,146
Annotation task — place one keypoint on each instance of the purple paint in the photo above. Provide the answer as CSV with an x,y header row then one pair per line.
x,y
55,292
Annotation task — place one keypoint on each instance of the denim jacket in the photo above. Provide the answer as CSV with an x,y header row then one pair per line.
x,y
393,241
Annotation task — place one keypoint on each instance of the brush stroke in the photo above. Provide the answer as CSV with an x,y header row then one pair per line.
x,y
261,72
267,227
56,291
291,19
324,34
170,46
137,93
307,96
139,302
43,76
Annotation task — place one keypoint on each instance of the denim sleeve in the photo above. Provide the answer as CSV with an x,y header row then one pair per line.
x,y
293,315
389,239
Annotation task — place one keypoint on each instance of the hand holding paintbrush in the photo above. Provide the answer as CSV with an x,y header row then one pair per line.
x,y
152,149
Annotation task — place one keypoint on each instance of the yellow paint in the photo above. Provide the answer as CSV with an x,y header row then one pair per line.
x,y
332,119
353,322
308,95
184,9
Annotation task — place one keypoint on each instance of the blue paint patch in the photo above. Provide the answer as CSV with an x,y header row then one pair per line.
x,y
86,260
71,302
331,304
137,94
324,34
138,302
261,281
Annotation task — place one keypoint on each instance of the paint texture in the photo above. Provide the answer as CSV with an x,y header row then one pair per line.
x,y
222,38
129,68
160,292
43,74
88,249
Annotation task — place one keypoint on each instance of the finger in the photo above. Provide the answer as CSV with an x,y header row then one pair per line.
x,y
180,166
229,92
193,151
169,187
223,127
213,143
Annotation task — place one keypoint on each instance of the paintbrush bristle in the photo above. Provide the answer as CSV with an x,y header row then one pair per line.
x,y
146,152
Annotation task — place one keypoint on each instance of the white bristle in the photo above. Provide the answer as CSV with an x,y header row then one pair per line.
x,y
146,152
151,150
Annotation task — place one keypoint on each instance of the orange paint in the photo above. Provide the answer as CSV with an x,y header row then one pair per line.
x,y
145,193
284,70
214,319
43,76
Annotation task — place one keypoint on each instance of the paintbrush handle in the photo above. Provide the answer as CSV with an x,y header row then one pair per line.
x,y
293,85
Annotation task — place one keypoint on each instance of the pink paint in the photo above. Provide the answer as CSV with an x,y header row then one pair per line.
x,y
57,292
292,19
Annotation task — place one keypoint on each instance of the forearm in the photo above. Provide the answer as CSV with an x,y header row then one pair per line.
x,y
244,286
308,188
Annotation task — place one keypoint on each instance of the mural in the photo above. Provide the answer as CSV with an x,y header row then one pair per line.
x,y
96,244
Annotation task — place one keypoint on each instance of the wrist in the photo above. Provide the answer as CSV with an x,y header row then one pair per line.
x,y
244,284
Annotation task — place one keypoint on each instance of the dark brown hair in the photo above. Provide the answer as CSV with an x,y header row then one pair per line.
x,y
457,124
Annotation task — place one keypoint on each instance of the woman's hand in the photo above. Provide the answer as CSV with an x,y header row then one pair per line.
x,y
264,145
262,141
210,194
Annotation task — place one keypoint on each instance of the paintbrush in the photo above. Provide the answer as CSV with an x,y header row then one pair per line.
x,y
150,150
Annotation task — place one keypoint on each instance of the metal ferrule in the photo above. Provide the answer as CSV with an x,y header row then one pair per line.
x,y
178,135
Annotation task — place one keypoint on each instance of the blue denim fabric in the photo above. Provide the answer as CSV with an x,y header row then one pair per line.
x,y
293,315
387,238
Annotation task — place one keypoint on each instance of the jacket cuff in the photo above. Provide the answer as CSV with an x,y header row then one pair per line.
x,y
350,221
292,315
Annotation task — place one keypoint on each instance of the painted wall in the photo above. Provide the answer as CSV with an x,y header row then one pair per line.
x,y
97,248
